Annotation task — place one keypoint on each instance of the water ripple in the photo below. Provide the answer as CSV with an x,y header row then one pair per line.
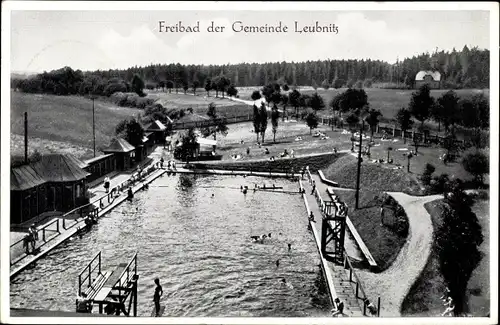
x,y
199,247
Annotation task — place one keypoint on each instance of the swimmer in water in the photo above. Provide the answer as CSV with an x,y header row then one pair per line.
x,y
269,235
213,195
289,247
278,263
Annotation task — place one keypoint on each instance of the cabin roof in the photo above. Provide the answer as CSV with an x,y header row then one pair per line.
x,y
24,177
60,168
156,126
118,145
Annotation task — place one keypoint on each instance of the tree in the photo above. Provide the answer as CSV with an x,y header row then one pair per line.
x,y
476,163
161,84
325,84
212,111
352,120
312,121
188,145
352,99
138,85
263,120
196,84
403,118
314,84
275,115
421,103
427,174
294,99
185,87
131,130
275,98
338,83
446,109
169,85
208,86
256,95
256,121
284,101
458,238
222,84
316,102
372,120
474,114
285,87
232,91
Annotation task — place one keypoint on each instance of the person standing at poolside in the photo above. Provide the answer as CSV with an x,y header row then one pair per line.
x,y
106,184
156,297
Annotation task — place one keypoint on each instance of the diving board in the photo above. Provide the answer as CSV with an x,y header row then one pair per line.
x,y
112,280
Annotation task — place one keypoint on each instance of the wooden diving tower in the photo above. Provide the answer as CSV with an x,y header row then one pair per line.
x,y
115,291
333,230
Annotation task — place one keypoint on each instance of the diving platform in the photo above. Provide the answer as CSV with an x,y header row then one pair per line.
x,y
114,291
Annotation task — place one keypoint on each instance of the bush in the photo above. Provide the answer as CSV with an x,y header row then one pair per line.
x,y
350,83
476,163
427,174
368,83
439,184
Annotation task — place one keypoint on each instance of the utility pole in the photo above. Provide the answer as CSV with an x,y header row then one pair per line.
x,y
93,121
359,161
26,137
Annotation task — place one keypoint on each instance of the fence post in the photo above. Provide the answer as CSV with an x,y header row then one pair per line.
x,y
43,234
378,306
350,274
364,308
357,289
57,228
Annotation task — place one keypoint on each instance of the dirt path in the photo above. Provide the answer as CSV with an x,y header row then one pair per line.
x,y
394,283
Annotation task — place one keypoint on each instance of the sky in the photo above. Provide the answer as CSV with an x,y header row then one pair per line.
x,y
90,40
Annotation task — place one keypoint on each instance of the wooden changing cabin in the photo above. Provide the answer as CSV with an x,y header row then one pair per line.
x,y
124,152
56,182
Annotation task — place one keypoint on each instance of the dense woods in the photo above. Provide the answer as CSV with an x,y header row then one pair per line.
x,y
468,68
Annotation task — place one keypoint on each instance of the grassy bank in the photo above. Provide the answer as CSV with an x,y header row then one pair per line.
x,y
314,162
376,177
424,296
66,118
383,242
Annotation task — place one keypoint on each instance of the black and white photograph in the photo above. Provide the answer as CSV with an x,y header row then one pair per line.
x,y
249,162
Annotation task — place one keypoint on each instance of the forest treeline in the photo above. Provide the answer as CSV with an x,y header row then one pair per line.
x,y
468,68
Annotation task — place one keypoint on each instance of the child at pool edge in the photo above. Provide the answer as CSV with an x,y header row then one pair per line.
x,y
157,295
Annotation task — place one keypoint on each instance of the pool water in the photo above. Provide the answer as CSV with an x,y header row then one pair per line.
x,y
193,233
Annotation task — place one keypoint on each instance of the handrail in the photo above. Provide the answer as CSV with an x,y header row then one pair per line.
x,y
130,181
89,275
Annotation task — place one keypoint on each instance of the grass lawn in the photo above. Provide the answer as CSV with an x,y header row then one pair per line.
x,y
383,243
478,288
375,177
388,101
424,297
66,119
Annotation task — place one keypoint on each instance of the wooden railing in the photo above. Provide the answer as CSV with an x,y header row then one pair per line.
x,y
360,292
88,271
88,210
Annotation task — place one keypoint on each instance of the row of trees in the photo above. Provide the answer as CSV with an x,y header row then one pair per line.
x,y
468,68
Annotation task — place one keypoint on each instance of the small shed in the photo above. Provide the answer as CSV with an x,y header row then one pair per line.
x,y
431,78
125,154
158,130
205,147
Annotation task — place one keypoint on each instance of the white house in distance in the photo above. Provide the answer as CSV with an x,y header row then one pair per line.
x,y
431,78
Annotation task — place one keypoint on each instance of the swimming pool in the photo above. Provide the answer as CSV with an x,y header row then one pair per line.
x,y
193,233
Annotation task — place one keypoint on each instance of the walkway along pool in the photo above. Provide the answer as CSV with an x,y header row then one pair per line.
x,y
199,246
